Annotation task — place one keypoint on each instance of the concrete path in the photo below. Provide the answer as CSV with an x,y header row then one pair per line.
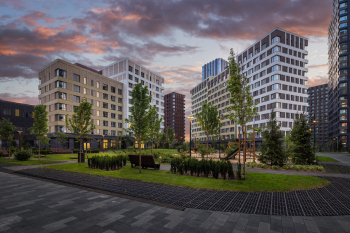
x,y
29,205
342,158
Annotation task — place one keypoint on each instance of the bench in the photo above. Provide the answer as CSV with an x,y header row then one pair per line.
x,y
116,152
146,161
61,151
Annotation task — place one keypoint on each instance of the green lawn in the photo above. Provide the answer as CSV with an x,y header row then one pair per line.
x,y
28,162
254,181
325,159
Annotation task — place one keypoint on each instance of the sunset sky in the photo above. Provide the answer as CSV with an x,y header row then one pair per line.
x,y
174,38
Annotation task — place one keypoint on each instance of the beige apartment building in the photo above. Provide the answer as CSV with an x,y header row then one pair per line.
x,y
62,86
214,90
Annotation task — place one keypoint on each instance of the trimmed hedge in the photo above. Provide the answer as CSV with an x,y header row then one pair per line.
x,y
107,162
202,168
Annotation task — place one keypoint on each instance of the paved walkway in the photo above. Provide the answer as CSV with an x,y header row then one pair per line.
x,y
342,158
29,205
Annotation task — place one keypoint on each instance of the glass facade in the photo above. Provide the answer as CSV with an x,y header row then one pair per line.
x,y
213,68
338,75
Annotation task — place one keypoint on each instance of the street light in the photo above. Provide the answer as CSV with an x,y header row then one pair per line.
x,y
314,121
190,117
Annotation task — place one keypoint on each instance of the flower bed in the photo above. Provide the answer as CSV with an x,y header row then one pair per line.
x,y
306,168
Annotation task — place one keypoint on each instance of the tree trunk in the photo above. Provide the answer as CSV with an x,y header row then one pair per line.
x,y
152,147
9,149
244,153
39,152
207,146
139,155
79,154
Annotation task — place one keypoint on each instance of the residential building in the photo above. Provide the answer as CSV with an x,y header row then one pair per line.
x,y
22,117
213,68
276,68
62,86
175,114
129,73
214,90
338,74
318,115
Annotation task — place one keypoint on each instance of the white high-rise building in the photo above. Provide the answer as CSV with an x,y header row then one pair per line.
x,y
276,68
130,73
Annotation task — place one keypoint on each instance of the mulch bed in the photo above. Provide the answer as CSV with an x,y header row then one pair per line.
x,y
330,200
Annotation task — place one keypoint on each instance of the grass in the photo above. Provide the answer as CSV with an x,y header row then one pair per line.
x,y
28,162
325,159
255,182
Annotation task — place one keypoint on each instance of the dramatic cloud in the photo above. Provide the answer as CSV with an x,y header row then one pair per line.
x,y
318,66
21,98
319,80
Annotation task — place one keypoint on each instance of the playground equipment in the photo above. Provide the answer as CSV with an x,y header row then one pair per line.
x,y
248,149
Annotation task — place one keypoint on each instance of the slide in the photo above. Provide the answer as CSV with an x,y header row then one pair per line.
x,y
230,156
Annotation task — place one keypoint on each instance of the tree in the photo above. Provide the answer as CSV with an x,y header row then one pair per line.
x,y
81,123
40,128
157,138
208,121
139,118
214,141
242,108
170,134
272,144
340,146
6,132
163,139
154,124
62,138
302,151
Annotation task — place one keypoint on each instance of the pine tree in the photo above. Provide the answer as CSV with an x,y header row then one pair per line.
x,y
272,146
302,151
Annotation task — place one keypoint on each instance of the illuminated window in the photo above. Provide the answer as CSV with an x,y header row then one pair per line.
x,y
17,112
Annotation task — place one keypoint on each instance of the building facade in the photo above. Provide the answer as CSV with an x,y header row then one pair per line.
x,y
174,116
62,86
22,117
130,73
213,68
338,77
276,68
318,115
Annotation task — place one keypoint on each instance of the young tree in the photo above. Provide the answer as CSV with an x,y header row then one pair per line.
x,y
242,108
208,120
163,139
157,138
139,118
154,124
62,138
302,152
272,144
6,130
40,128
81,123
340,146
170,134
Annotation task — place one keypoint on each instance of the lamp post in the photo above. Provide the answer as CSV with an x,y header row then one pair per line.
x,y
190,117
314,121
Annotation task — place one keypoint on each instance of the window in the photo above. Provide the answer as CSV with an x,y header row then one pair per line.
x,y
276,68
61,95
130,68
105,96
98,94
275,39
342,51
120,117
60,117
263,64
76,78
263,55
105,87
98,103
60,128
256,51
120,100
7,111
119,108
137,71
105,123
257,84
75,108
343,18
120,125
76,88
275,58
105,114
120,92
104,105
343,5
130,85
92,83
344,11
84,90
342,84
60,107
276,49
276,86
263,46
112,124
142,74
76,98
113,89
250,55
113,115
136,80
275,77
343,58
98,84
343,25
61,84
61,73
112,106
85,80
130,77
343,111
112,98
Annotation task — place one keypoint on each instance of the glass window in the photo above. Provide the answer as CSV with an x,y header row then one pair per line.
x,y
61,73
275,77
343,25
113,89
76,88
76,78
275,39
275,58
61,84
276,49
61,95
343,4
343,18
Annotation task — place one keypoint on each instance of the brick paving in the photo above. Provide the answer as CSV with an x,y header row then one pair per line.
x,y
30,205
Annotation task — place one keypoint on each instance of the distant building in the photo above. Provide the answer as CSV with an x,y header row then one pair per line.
x,y
175,114
213,68
338,74
22,117
129,73
318,112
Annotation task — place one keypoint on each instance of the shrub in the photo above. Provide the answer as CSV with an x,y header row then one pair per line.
x,y
165,158
22,155
156,154
275,167
107,162
76,151
1,154
313,168
297,167
319,168
263,165
253,164
248,164
304,168
96,150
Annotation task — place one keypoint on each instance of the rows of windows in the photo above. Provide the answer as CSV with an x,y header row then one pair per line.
x,y
18,113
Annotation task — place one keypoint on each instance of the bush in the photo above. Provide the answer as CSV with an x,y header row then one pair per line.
x,y
1,154
156,154
96,150
76,151
263,165
319,168
107,162
22,155
165,158
275,167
